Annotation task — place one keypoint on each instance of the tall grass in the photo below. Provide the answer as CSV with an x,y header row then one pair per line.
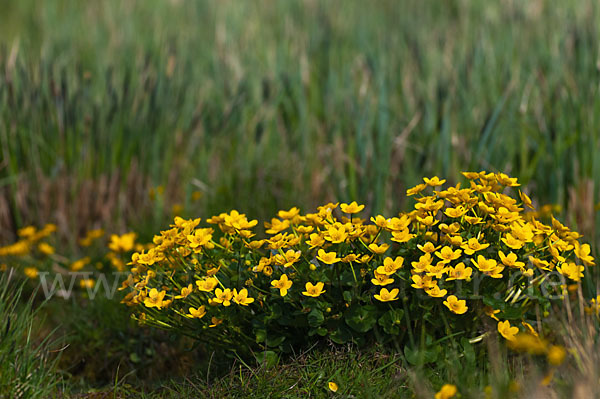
x,y
264,105
27,368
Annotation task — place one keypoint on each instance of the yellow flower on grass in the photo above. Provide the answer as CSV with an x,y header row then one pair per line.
x,y
353,207
31,272
327,257
387,296
428,247
316,240
197,313
208,284
333,387
507,331
223,297
283,284
45,248
378,249
313,290
422,264
215,322
87,283
455,305
448,391
241,298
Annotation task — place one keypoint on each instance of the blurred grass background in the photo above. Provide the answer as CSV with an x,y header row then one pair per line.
x,y
113,113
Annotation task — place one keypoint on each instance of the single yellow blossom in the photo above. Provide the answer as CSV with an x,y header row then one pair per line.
x,y
455,305
387,296
313,290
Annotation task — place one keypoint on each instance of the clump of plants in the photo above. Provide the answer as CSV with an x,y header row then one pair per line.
x,y
464,258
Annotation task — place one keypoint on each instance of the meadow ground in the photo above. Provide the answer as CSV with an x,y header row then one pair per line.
x,y
122,114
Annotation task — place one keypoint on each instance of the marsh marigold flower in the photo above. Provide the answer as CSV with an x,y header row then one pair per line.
x,y
387,296
507,331
283,284
327,257
455,305
313,290
448,391
352,207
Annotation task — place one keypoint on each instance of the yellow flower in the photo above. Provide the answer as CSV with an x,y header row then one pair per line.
x,y
455,305
422,282
223,296
422,264
336,234
402,235
87,283
80,264
583,253
512,242
378,249
313,290
434,181
448,391
459,272
283,284
353,207
556,355
291,214
327,257
333,387
510,260
427,220
316,240
508,332
447,255
197,313
571,270
390,265
215,322
455,212
428,247
156,299
207,284
185,291
31,272
416,189
436,292
473,245
490,311
241,298
123,243
387,296
381,279
45,248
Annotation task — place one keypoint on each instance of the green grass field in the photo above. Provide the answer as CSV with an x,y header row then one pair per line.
x,y
121,114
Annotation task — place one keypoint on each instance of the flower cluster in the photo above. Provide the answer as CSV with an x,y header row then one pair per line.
x,y
461,255
34,253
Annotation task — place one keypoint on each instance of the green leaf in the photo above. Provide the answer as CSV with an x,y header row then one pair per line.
x,y
361,318
341,335
315,318
391,321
